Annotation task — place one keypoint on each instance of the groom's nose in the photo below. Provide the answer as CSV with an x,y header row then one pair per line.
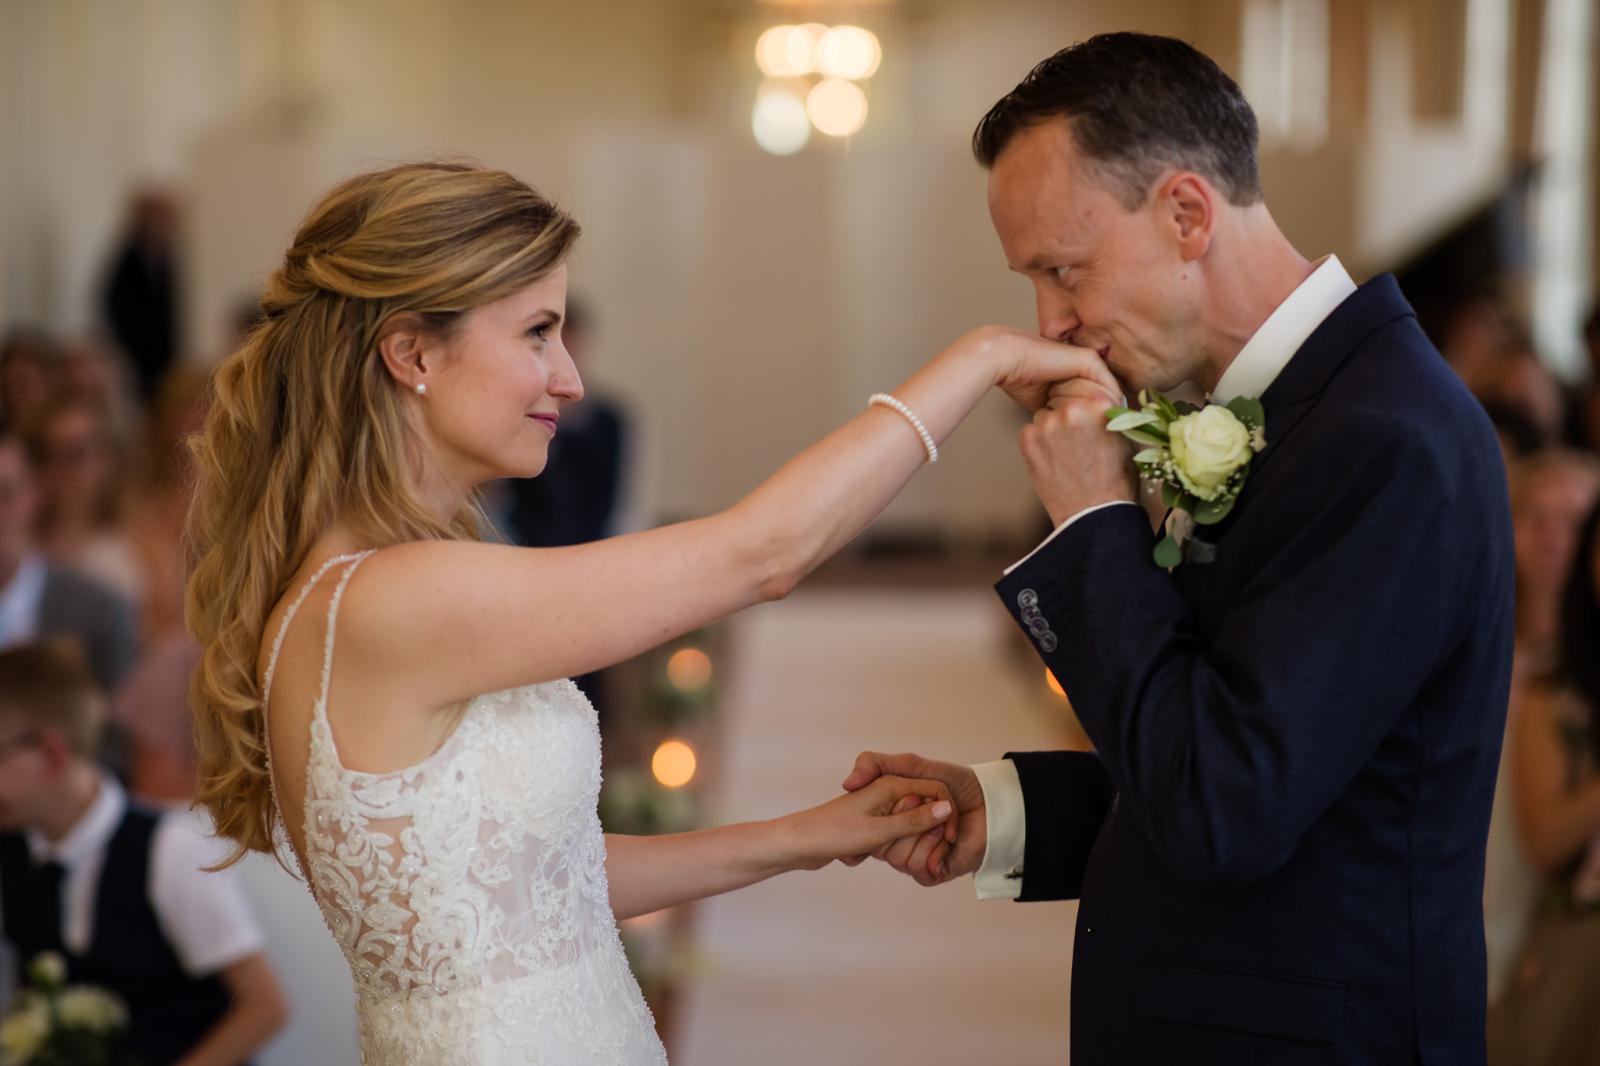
x,y
1057,317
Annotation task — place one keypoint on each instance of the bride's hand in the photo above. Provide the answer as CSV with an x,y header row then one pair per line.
x,y
1025,365
859,823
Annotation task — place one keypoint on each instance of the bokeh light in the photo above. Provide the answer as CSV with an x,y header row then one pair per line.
x,y
779,120
772,55
674,764
1055,686
800,47
689,670
849,52
837,107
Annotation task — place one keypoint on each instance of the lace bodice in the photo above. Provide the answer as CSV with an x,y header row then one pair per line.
x,y
468,891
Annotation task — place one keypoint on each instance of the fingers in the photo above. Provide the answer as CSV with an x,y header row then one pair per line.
x,y
1054,361
928,817
870,765
921,865
1083,389
905,803
922,818
1092,369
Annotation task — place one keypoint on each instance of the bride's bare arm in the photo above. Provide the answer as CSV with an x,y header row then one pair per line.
x,y
462,618
649,873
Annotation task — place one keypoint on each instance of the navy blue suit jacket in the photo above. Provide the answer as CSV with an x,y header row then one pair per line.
x,y
1279,841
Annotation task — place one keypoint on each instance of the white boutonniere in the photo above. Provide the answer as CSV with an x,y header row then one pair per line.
x,y
1200,455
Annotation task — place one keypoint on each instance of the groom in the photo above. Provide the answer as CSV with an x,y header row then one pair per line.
x,y
1279,840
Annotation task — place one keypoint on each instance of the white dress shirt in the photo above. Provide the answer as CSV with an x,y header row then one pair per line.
x,y
204,916
1256,367
20,600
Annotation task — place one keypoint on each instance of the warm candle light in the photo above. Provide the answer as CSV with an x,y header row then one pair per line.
x,y
770,53
849,52
779,121
689,670
674,764
837,107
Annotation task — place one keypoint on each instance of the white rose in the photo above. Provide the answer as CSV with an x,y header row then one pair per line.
x,y
92,1009
1207,447
24,1031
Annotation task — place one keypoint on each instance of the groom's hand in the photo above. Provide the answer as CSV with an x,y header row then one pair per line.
x,y
932,857
1074,461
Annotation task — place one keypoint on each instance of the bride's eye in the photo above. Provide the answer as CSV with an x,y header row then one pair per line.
x,y
540,332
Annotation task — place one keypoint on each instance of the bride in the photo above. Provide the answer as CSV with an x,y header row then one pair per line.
x,y
382,693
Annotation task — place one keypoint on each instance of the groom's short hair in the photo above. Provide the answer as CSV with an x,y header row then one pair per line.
x,y
1138,105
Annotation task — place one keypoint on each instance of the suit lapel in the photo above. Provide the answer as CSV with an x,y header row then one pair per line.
x,y
1302,381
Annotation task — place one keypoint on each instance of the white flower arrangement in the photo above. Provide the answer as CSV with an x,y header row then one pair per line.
x,y
1200,455
53,1024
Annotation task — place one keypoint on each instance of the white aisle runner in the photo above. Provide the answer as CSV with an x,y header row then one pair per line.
x,y
862,965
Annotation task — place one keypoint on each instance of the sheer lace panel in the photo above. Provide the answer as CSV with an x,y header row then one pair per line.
x,y
468,891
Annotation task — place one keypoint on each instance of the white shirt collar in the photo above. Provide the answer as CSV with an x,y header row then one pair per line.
x,y
91,832
1264,356
20,599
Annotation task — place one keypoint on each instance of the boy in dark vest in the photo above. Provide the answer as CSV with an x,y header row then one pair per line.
x,y
118,889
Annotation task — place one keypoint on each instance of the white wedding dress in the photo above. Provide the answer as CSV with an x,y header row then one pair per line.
x,y
468,892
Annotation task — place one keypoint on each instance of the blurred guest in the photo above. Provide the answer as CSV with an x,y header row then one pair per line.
x,y
1473,338
94,371
151,706
161,496
30,370
140,298
1525,385
117,889
150,711
1550,494
81,468
1586,408
41,599
1519,438
1547,1014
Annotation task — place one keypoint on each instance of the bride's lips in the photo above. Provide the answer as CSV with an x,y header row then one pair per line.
x,y
547,421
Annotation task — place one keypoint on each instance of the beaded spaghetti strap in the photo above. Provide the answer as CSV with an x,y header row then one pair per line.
x,y
321,707
272,667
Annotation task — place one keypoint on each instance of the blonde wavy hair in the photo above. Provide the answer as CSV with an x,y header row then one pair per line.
x,y
307,427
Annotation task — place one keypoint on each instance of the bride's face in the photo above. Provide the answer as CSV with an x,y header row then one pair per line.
x,y
1105,277
494,400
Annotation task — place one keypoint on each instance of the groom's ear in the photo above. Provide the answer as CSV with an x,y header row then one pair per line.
x,y
1186,205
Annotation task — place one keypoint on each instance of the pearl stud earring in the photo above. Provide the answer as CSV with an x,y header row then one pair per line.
x,y
422,388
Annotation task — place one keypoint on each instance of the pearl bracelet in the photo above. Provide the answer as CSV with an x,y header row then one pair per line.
x,y
883,399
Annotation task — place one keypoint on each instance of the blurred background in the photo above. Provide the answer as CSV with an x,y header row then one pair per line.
x,y
781,216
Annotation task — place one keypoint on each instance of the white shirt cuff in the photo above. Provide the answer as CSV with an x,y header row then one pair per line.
x,y
1000,875
1064,525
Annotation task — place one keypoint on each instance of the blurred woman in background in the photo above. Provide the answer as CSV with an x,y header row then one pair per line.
x,y
1547,1014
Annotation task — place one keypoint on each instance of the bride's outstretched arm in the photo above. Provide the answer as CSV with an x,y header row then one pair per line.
x,y
649,873
459,618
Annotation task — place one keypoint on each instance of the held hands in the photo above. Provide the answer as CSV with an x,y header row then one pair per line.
x,y
930,858
867,820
